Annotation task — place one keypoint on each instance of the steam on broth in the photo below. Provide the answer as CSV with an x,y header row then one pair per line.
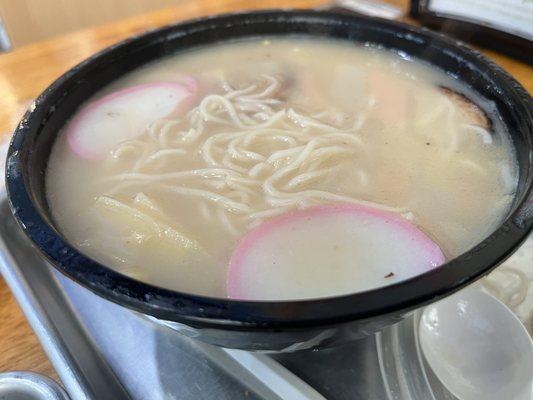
x,y
166,170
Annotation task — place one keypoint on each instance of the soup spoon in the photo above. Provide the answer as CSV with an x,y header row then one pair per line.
x,y
477,347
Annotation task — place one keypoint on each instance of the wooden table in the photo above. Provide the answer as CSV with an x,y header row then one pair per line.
x,y
25,72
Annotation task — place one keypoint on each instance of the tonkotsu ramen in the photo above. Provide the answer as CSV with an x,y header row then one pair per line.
x,y
280,168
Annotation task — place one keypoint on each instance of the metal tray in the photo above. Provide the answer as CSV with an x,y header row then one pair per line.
x,y
103,351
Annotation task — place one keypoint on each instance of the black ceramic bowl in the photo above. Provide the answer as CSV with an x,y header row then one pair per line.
x,y
288,325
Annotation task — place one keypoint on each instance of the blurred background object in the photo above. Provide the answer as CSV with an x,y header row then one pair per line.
x,y
502,25
28,21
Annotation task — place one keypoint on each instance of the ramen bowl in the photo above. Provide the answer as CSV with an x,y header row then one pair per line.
x,y
267,325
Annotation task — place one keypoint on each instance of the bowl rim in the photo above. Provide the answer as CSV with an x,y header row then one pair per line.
x,y
256,315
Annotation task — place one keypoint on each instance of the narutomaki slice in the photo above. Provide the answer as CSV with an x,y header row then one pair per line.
x,y
123,115
328,250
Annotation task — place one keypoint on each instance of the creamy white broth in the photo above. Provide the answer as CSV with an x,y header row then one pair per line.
x,y
394,138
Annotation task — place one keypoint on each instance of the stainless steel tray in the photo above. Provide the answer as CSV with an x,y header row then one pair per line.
x,y
103,351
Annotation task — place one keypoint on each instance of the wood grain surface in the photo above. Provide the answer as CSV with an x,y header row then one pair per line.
x,y
25,72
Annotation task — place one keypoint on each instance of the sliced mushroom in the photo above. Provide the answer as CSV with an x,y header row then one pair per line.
x,y
471,113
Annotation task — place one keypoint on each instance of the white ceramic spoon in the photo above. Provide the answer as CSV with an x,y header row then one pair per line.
x,y
477,347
